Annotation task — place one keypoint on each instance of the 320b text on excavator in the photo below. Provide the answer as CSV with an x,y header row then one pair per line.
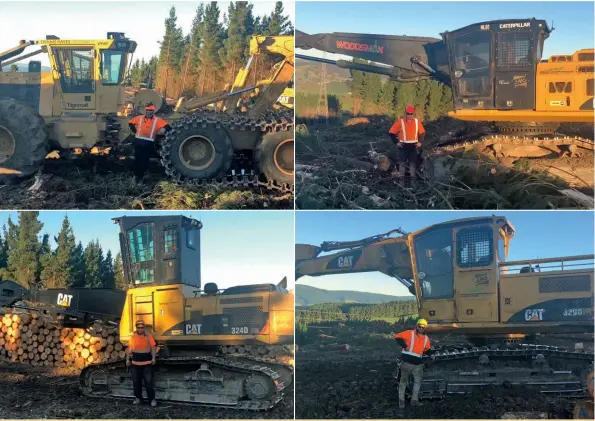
x,y
463,283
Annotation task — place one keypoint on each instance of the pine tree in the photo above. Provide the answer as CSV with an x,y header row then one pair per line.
x,y
120,280
93,260
405,96
278,23
192,52
23,258
446,100
170,55
3,249
59,269
421,98
236,42
435,99
136,73
211,36
107,272
78,267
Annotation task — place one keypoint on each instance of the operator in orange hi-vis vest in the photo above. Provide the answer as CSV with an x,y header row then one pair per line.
x,y
408,134
146,129
140,354
415,343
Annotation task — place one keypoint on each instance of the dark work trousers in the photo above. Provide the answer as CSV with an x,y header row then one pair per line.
x,y
407,155
144,373
143,150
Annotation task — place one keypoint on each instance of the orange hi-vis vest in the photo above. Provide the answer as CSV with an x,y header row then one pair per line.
x,y
408,131
147,128
140,348
415,344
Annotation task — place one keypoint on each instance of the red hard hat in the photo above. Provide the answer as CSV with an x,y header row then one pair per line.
x,y
410,109
150,108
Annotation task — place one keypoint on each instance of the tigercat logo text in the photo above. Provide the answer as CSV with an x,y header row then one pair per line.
x,y
356,46
193,329
64,300
71,105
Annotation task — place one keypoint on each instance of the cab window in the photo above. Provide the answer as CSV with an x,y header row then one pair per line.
x,y
76,70
112,63
433,255
141,245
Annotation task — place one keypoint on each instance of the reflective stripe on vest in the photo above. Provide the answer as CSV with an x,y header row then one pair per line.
x,y
404,140
411,345
152,135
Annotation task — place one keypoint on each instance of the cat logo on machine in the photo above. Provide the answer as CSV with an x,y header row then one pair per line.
x,y
64,300
193,329
345,262
534,314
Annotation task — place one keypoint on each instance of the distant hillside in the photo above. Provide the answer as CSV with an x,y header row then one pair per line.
x,y
24,68
306,295
307,78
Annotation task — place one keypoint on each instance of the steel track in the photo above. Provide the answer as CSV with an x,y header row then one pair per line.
x,y
228,364
534,360
270,123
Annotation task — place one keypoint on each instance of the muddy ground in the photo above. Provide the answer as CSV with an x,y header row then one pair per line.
x,y
359,384
107,183
333,171
39,392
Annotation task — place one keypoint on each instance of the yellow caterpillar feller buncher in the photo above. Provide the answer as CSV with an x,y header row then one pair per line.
x,y
497,74
78,106
227,348
459,273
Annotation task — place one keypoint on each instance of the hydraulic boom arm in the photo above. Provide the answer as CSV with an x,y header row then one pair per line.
x,y
381,253
408,58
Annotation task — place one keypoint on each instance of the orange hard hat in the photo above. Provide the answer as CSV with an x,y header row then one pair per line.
x,y
150,108
139,323
409,109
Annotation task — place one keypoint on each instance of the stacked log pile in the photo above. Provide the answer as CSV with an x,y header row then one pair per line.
x,y
35,339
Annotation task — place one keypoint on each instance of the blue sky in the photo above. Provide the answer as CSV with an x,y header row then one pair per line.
x,y
538,235
141,21
573,20
238,247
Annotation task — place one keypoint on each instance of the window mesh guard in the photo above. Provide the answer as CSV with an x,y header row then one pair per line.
x,y
475,247
514,49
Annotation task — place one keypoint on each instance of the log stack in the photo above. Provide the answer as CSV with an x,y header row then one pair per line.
x,y
35,339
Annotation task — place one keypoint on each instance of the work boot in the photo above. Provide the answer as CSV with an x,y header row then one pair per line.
x,y
153,402
136,401
416,403
401,404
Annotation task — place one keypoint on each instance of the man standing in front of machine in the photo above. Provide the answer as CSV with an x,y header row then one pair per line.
x,y
146,128
408,134
141,355
415,343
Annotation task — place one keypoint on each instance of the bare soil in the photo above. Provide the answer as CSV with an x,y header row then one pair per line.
x,y
98,182
359,384
40,392
335,171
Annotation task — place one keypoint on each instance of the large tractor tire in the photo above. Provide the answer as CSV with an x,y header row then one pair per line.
x,y
23,139
191,151
274,155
